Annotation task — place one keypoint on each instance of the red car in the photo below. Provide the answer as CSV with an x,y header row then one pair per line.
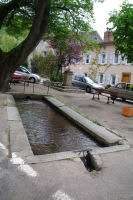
x,y
18,76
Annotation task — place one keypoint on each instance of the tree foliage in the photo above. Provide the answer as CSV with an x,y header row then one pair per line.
x,y
44,65
69,48
31,19
123,30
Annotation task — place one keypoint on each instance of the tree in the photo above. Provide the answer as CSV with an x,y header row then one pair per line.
x,y
31,19
69,48
123,30
44,65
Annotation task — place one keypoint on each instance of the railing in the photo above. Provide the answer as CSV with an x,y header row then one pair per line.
x,y
25,82
52,84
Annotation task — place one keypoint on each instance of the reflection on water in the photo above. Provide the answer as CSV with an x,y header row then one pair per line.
x,y
48,131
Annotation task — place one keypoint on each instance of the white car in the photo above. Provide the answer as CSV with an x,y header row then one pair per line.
x,y
34,78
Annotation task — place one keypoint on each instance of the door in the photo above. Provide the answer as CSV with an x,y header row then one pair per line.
x,y
126,77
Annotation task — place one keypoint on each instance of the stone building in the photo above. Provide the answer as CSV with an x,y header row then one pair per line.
x,y
42,49
104,65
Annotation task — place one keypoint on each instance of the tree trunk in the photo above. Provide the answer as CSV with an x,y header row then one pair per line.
x,y
58,69
13,59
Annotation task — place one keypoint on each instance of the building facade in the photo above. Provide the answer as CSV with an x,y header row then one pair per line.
x,y
42,49
102,65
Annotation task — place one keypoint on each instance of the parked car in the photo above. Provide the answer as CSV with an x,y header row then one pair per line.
x,y
18,76
86,83
123,90
34,78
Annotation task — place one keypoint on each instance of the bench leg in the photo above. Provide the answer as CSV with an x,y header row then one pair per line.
x,y
108,101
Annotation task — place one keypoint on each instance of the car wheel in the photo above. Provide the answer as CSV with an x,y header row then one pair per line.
x,y
32,80
88,90
123,99
113,97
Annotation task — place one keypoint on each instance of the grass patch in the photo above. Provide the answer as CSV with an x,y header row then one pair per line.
x,y
85,116
114,133
50,95
93,171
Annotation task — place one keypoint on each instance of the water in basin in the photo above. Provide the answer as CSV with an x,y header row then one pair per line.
x,y
48,131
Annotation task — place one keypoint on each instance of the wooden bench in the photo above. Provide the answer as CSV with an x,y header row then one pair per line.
x,y
106,93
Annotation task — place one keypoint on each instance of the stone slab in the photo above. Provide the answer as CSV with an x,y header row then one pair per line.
x,y
13,114
100,133
10,101
18,138
54,101
111,149
52,157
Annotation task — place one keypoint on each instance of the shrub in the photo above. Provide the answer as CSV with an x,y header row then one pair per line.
x,y
107,86
59,78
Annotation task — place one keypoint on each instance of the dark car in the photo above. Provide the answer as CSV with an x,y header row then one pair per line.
x,y
85,83
123,91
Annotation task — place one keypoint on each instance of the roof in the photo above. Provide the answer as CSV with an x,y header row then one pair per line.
x,y
110,42
96,36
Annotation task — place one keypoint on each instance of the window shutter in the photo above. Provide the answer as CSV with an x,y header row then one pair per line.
x,y
89,58
99,59
106,58
111,58
109,80
103,78
97,77
119,59
116,79
124,61
84,59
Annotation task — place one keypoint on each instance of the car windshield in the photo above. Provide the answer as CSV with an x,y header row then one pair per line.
x,y
88,80
25,70
21,69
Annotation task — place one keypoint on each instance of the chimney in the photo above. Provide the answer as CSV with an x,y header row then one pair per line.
x,y
108,36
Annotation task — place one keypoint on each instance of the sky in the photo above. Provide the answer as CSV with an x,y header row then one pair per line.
x,y
102,11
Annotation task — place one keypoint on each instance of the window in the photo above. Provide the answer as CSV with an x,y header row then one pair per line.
x,y
102,59
87,59
125,61
115,59
112,79
44,53
116,56
129,87
100,78
121,86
